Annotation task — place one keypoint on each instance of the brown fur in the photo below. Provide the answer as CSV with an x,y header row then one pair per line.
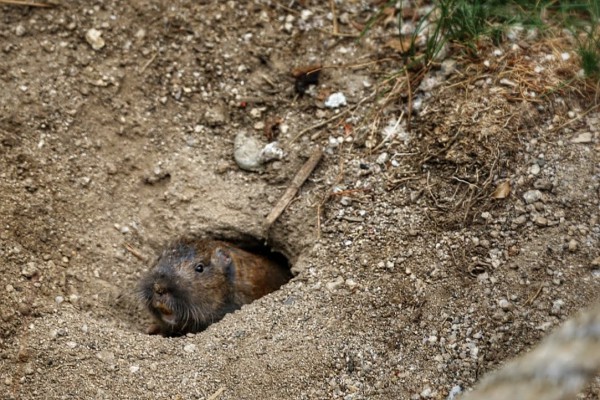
x,y
196,282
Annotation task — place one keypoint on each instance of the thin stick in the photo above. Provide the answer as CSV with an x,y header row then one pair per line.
x,y
334,17
336,116
532,299
318,221
576,118
25,3
290,10
340,34
150,61
135,252
320,124
216,394
410,101
295,185
385,140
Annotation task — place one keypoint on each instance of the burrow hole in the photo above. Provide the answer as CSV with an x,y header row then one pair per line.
x,y
248,243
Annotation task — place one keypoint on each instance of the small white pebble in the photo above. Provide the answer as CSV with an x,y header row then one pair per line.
x,y
534,169
504,304
351,283
382,159
189,348
305,14
336,100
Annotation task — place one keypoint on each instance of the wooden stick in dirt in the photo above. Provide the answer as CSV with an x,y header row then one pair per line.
x,y
217,394
135,252
295,185
25,3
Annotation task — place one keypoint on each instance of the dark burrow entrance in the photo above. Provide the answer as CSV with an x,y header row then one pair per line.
x,y
196,281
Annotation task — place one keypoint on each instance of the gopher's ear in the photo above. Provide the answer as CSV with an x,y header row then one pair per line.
x,y
221,259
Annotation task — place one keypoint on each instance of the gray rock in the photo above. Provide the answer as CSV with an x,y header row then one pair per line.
x,y
543,184
504,304
541,221
585,137
94,39
333,285
215,116
251,155
336,100
29,270
270,152
189,348
573,245
534,169
246,152
520,220
382,159
20,30
455,391
106,356
531,196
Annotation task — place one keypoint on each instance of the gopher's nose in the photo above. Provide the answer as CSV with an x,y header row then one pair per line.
x,y
159,289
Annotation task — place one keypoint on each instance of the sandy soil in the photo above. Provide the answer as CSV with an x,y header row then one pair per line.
x,y
412,276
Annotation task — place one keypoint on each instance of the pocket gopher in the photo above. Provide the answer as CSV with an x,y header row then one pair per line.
x,y
196,282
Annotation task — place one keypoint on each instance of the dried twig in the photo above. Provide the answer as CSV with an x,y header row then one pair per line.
x,y
135,252
535,296
295,185
335,28
385,140
319,206
216,394
147,64
340,34
338,115
26,3
577,118
320,124
410,101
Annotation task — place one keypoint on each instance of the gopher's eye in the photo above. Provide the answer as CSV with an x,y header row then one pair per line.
x,y
199,267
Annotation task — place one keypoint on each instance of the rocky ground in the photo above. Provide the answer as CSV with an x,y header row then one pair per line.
x,y
443,232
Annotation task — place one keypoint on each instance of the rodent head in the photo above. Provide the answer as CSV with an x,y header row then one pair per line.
x,y
189,286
